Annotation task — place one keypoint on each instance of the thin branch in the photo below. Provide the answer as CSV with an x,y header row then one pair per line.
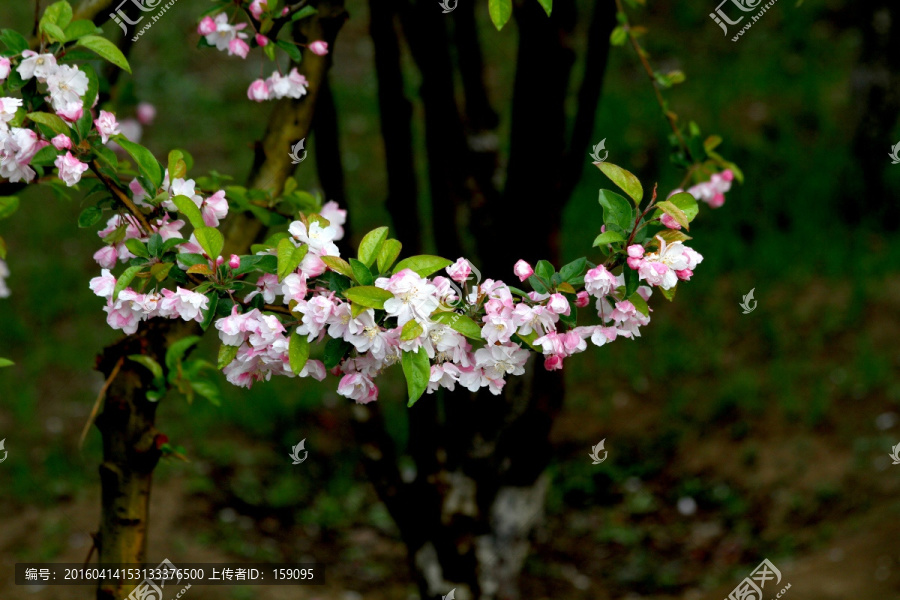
x,y
122,197
98,402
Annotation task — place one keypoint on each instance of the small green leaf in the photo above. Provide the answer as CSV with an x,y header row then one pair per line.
x,y
501,11
298,352
573,269
226,355
547,5
370,245
672,235
335,351
616,210
14,41
669,294
151,365
257,262
361,273
687,204
538,285
8,206
608,237
106,49
368,295
290,49
640,304
211,240
175,353
338,264
619,36
124,279
411,331
390,250
136,247
417,369
5,362
54,32
80,28
56,124
423,265
210,312
460,323
306,11
208,389
58,13
289,257
631,281
190,210
624,179
146,162
674,212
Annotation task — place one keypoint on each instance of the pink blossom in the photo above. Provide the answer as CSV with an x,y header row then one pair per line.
x,y
261,40
559,305
293,287
234,261
71,112
106,257
523,270
146,112
8,108
67,85
318,48
599,282
61,142
104,285
214,209
257,7
36,65
460,270
70,168
554,362
336,217
106,125
258,91
292,86
239,47
358,387
582,299
206,27
183,303
497,361
4,68
669,221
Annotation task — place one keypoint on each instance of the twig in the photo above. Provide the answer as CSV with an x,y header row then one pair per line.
x,y
122,197
100,396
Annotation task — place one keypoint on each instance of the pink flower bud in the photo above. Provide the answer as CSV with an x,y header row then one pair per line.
x,y
669,222
727,175
554,362
635,251
684,274
523,270
635,263
258,91
262,40
318,47
220,261
239,47
206,26
717,201
284,11
235,261
559,305
582,299
257,7
146,112
61,142
460,270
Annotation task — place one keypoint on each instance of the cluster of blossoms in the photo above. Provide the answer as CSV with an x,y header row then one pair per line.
x,y
712,192
227,37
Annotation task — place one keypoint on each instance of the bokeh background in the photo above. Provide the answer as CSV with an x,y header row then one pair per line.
x,y
731,437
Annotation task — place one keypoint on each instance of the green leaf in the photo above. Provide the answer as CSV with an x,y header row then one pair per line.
x,y
210,313
687,203
56,124
672,235
616,210
291,50
538,285
306,11
175,353
368,295
623,179
190,210
361,273
674,212
208,389
370,245
608,237
189,259
211,240
338,264
298,352
8,205
257,262
417,369
161,270
80,28
573,269
289,257
460,323
177,166
619,36
124,279
5,362
411,331
58,13
226,355
154,244
544,269
390,250
148,362
631,281
335,351
423,265
146,162
13,40
54,31
501,11
640,304
669,294
547,5
136,247
106,49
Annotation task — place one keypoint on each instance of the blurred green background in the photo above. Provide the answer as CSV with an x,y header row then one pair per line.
x,y
731,437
